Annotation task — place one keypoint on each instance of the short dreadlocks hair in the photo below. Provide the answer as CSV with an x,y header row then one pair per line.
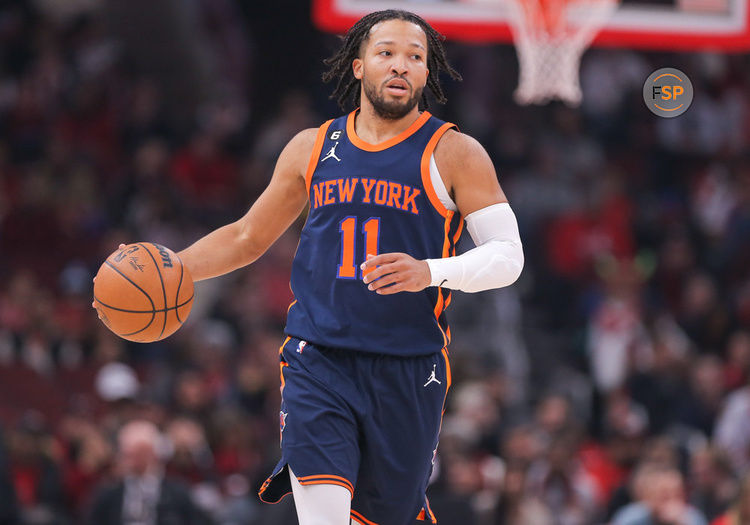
x,y
340,64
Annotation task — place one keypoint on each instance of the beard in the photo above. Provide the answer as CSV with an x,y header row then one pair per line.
x,y
390,110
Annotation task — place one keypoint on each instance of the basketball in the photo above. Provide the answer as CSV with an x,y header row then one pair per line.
x,y
143,293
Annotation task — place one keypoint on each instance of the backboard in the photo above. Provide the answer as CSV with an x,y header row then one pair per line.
x,y
721,25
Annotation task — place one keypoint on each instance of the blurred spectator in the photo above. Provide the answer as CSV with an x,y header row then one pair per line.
x,y
191,460
660,499
699,407
560,481
701,314
143,495
732,430
33,456
739,512
8,504
737,366
713,485
618,342
87,458
516,506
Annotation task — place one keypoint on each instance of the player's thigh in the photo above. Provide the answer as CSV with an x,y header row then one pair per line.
x,y
400,439
319,434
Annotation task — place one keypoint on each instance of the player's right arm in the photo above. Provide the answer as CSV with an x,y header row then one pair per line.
x,y
242,242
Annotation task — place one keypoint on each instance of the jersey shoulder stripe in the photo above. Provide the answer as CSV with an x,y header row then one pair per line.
x,y
315,155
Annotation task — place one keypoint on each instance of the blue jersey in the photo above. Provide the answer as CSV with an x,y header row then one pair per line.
x,y
371,199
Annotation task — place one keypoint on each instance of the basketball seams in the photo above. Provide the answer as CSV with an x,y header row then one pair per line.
x,y
161,279
187,302
177,295
153,306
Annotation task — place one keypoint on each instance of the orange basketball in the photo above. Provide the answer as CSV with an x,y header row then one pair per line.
x,y
143,292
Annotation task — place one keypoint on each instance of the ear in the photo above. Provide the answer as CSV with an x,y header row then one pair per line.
x,y
357,65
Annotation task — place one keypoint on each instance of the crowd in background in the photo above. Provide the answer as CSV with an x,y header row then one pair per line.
x,y
609,385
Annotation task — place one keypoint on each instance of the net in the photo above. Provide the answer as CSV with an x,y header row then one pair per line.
x,y
550,38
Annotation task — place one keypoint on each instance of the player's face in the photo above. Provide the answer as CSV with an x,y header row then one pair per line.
x,y
393,67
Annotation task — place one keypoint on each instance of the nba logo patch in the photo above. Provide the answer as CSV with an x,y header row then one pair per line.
x,y
301,346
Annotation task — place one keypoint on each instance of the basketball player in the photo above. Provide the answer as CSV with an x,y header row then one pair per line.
x,y
364,367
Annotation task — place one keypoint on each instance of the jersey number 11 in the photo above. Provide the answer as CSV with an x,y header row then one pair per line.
x,y
348,228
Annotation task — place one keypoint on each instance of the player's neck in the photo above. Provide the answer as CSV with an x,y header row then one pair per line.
x,y
375,129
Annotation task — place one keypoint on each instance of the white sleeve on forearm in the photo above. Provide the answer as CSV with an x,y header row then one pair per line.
x,y
496,261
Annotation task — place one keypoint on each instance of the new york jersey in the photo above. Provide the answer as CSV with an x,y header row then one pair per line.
x,y
371,199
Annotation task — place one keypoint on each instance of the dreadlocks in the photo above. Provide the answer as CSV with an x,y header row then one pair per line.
x,y
340,64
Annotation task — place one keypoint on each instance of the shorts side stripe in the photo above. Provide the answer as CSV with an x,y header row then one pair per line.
x,y
327,477
328,482
429,510
360,518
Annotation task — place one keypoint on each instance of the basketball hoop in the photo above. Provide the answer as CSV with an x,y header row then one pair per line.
x,y
550,38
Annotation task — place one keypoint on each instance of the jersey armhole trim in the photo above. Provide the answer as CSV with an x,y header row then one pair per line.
x,y
425,169
315,155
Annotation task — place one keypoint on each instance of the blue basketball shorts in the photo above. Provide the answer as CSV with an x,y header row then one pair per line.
x,y
367,422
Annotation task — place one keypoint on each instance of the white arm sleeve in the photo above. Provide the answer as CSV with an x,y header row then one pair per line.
x,y
496,261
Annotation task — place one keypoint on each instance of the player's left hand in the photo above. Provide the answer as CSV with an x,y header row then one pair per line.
x,y
395,272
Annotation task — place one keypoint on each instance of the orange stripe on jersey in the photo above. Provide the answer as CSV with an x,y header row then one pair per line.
x,y
441,305
447,240
448,374
438,310
315,155
457,235
425,168
287,311
360,518
449,251
361,144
